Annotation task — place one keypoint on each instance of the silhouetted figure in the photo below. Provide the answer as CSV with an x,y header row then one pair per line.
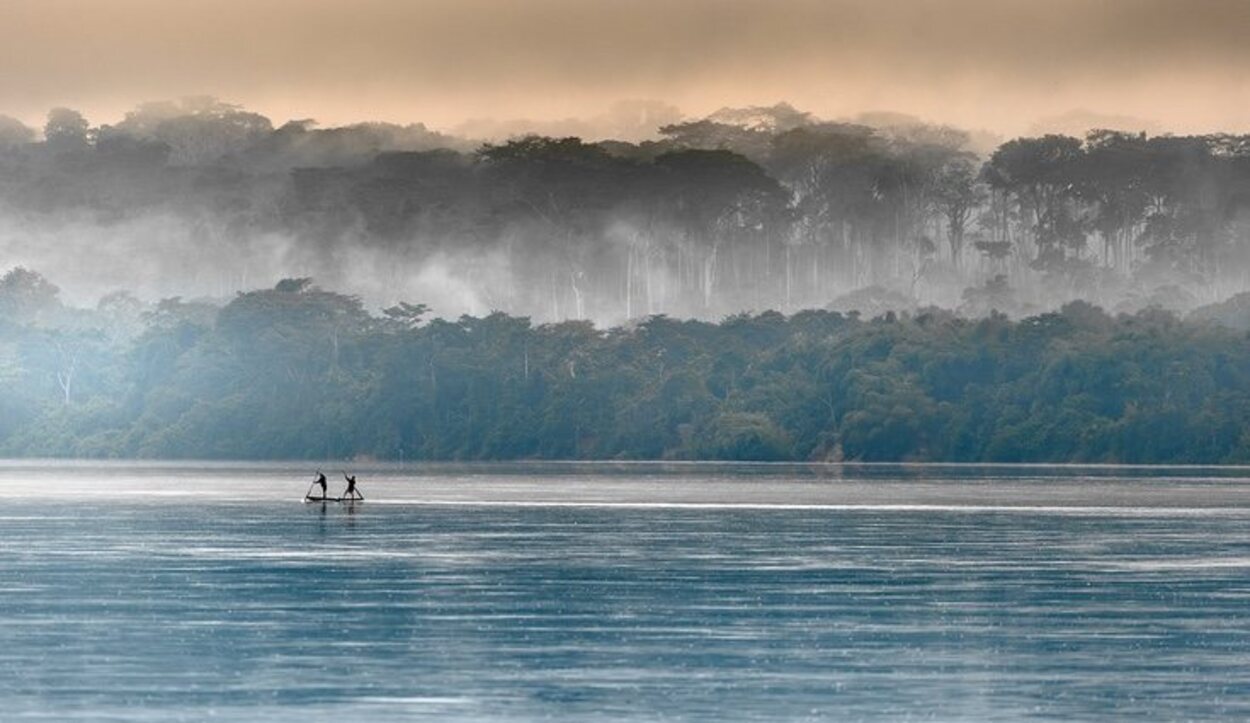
x,y
320,481
351,493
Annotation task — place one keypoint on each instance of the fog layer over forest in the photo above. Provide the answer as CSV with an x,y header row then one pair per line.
x,y
748,209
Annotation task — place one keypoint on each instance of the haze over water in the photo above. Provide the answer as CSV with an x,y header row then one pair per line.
x,y
573,592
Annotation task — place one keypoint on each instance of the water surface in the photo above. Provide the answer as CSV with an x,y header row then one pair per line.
x,y
644,592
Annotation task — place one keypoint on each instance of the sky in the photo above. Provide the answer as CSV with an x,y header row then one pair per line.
x,y
1001,65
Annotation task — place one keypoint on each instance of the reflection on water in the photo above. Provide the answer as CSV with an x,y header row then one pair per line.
x,y
167,593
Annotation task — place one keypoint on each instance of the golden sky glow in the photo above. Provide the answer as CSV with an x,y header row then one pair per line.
x,y
997,64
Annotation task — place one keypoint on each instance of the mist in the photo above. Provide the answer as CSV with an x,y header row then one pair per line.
x,y
748,209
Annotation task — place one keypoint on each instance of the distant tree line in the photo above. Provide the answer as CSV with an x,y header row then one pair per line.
x,y
300,372
750,209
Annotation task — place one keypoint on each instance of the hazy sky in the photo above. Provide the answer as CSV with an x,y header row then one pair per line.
x,y
997,64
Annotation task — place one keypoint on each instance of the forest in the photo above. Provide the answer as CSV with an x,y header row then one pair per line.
x,y
759,284
745,210
299,372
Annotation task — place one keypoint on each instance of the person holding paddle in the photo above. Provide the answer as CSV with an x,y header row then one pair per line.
x,y
351,493
321,480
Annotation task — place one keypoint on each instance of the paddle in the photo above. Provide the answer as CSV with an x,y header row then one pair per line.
x,y
308,494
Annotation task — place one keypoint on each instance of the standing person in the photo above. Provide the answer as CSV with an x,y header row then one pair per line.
x,y
321,480
351,493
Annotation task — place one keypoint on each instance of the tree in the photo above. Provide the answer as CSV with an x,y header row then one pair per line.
x,y
26,296
404,316
66,129
14,133
199,130
1039,173
725,201
957,194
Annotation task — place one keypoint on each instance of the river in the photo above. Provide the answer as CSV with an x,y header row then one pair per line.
x,y
160,591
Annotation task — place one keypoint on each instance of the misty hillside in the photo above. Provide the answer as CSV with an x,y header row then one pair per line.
x,y
749,209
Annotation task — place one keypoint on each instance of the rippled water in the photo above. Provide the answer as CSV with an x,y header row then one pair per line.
x,y
575,592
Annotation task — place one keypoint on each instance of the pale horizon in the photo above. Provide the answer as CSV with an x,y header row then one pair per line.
x,y
998,66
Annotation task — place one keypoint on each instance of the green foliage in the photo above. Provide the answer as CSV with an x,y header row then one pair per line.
x,y
748,436
299,372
